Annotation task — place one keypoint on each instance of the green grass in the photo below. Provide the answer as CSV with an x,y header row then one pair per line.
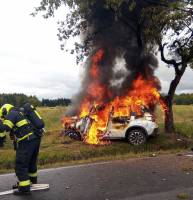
x,y
183,196
57,150
183,118
181,113
52,117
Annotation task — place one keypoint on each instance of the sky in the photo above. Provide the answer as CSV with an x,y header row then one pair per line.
x,y
32,63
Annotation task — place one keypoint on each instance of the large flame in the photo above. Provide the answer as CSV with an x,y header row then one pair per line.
x,y
142,93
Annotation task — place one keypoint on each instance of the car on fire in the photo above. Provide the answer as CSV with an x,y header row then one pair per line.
x,y
135,129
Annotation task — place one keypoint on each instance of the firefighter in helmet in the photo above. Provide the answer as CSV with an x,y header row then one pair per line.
x,y
27,140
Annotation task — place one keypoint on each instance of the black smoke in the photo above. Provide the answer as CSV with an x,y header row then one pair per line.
x,y
121,36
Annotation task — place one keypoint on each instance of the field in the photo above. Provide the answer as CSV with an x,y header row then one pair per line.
x,y
57,150
183,117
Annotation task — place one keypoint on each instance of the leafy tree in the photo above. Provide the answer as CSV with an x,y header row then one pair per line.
x,y
18,99
79,21
171,29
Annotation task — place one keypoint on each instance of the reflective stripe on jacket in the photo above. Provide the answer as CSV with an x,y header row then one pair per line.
x,y
3,134
16,122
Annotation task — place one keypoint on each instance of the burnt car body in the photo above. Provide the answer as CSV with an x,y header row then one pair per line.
x,y
135,129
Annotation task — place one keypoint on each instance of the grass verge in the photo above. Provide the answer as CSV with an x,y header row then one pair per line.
x,y
61,151
183,196
57,150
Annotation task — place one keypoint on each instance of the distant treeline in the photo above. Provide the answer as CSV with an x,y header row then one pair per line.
x,y
55,102
20,99
183,99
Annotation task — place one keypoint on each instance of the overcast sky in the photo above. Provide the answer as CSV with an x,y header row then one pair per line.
x,y
31,61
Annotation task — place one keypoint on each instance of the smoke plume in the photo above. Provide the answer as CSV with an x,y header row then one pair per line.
x,y
124,57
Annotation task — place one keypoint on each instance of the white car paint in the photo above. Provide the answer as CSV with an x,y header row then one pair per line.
x,y
118,130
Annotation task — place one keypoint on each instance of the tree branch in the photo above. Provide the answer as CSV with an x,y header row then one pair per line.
x,y
123,20
176,81
169,61
153,2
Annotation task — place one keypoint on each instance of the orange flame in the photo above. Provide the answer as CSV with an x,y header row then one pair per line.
x,y
142,93
98,126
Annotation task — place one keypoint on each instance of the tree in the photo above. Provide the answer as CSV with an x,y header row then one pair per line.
x,y
183,99
56,102
80,20
171,29
18,100
151,21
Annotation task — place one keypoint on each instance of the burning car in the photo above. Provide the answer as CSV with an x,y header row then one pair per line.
x,y
135,129
109,108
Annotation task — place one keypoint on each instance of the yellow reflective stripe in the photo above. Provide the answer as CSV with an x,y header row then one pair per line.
x,y
24,183
33,174
21,123
8,123
24,137
2,134
37,114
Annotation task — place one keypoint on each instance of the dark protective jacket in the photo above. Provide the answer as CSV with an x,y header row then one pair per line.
x,y
16,123
34,118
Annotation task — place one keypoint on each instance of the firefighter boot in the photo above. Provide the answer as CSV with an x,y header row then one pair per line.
x,y
22,190
33,180
15,186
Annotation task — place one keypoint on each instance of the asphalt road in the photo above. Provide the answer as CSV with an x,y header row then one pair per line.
x,y
156,178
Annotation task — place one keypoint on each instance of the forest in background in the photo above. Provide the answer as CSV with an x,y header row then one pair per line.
x,y
20,99
183,99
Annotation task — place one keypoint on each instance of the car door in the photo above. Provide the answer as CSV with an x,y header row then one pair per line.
x,y
117,128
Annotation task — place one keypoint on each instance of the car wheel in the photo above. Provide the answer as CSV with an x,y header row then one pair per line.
x,y
136,137
73,134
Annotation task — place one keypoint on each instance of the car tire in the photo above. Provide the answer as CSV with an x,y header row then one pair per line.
x,y
73,134
136,137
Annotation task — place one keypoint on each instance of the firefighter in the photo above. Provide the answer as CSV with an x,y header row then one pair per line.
x,y
27,144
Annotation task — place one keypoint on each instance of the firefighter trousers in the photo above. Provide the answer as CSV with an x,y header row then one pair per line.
x,y
26,159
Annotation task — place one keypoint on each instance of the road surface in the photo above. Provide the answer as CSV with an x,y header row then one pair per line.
x,y
157,178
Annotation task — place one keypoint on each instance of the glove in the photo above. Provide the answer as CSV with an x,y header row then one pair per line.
x,y
15,145
2,141
1,127
11,135
2,135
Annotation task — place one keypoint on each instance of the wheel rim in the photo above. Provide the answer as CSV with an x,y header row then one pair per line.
x,y
136,138
73,135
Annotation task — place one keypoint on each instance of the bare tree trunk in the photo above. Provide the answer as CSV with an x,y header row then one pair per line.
x,y
179,68
169,119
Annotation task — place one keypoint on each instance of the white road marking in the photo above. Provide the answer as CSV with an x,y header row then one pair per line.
x,y
66,167
84,165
